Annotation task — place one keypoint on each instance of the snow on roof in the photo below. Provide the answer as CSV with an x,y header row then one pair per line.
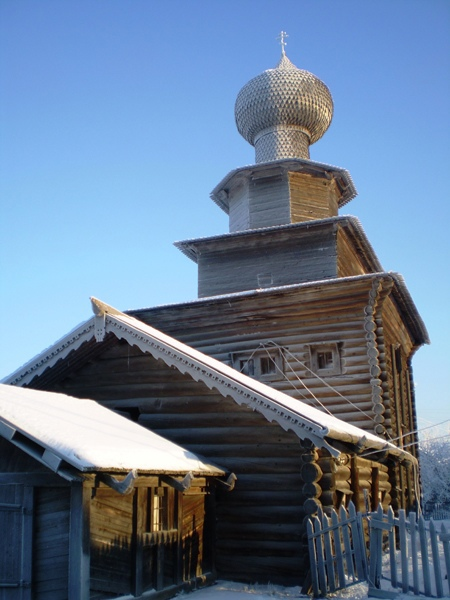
x,y
305,421
90,437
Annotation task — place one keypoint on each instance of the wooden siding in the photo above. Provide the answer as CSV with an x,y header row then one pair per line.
x,y
111,533
239,209
16,522
349,262
269,202
269,260
51,544
312,197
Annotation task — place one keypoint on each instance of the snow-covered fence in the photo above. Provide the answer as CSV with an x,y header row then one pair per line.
x,y
337,550
411,546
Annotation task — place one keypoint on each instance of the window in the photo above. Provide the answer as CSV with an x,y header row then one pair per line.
x,y
265,364
325,358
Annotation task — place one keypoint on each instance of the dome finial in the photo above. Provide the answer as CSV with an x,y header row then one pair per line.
x,y
282,37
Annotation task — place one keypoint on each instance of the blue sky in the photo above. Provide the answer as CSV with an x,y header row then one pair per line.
x,y
117,121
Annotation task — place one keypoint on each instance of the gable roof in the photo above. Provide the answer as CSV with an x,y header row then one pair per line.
x,y
60,430
323,430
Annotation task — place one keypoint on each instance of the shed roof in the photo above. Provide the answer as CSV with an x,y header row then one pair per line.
x,y
306,422
55,428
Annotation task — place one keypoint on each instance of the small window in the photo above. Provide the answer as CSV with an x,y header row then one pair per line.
x,y
158,515
268,365
326,358
265,364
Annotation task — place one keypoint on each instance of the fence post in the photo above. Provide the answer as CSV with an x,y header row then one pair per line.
x,y
328,552
392,547
375,536
312,558
445,539
436,562
403,550
358,544
347,545
320,557
338,548
414,552
424,553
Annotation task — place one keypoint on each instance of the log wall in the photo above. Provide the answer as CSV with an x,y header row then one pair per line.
x,y
260,523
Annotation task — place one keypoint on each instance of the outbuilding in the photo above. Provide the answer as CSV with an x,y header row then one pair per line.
x,y
95,506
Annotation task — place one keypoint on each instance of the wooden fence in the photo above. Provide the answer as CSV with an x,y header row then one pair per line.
x,y
417,562
337,550
416,558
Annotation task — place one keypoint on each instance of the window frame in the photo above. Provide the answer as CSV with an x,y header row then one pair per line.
x,y
320,349
256,358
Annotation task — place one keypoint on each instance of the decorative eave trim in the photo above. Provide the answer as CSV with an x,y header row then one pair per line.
x,y
52,355
213,373
162,348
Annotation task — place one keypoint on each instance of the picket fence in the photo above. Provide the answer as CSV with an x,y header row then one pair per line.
x,y
337,550
338,553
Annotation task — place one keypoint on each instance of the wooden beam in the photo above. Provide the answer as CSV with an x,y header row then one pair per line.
x,y
79,542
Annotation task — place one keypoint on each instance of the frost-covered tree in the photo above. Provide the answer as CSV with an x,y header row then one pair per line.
x,y
435,470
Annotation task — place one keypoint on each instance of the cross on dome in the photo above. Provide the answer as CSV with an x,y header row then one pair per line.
x,y
282,37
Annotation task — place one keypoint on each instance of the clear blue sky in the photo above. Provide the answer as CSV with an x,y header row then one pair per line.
x,y
117,122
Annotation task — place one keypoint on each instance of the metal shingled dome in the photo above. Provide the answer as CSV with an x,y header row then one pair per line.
x,y
284,98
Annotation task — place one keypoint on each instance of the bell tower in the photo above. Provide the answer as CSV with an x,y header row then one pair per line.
x,y
283,210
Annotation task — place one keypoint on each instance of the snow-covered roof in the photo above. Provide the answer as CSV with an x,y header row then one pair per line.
x,y
305,421
89,437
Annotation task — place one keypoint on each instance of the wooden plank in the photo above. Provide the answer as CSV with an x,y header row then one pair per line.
x,y
445,539
436,560
414,551
313,557
392,547
79,560
320,557
343,516
424,554
331,575
403,550
338,548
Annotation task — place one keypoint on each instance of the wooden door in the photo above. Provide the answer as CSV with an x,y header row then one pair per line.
x,y
16,527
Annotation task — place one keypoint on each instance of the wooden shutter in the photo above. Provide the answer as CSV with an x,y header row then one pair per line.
x,y
16,527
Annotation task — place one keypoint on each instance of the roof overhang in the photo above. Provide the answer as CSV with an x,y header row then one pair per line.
x,y
193,247
238,176
291,414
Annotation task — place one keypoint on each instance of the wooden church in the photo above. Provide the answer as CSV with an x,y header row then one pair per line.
x,y
292,369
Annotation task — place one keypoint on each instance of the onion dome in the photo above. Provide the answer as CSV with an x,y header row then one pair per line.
x,y
282,111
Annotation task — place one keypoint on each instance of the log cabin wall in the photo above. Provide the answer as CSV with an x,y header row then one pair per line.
x,y
298,323
399,348
260,523
352,478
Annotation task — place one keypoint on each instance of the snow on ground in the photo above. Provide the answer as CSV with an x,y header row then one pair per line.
x,y
229,590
